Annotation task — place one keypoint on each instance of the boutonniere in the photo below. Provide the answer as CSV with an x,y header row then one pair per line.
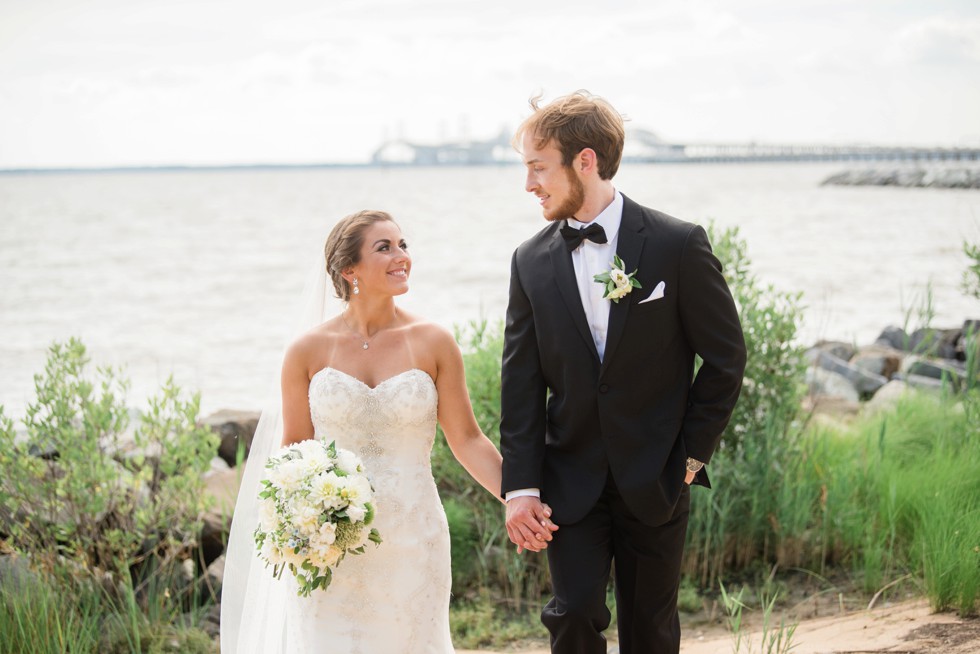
x,y
617,281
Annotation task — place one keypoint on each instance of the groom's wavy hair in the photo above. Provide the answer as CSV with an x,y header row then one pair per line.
x,y
574,122
343,247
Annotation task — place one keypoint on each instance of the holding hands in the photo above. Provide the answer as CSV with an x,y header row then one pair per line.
x,y
529,523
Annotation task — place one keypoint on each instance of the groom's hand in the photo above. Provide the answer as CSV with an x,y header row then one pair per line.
x,y
529,523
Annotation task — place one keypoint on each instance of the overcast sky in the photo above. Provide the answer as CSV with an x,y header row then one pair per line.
x,y
133,82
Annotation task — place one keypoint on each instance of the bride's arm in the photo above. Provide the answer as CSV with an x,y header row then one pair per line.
x,y
467,441
296,422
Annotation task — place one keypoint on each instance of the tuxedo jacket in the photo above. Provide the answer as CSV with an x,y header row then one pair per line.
x,y
568,420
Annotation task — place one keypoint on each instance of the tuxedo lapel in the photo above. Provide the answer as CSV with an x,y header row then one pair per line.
x,y
561,261
629,248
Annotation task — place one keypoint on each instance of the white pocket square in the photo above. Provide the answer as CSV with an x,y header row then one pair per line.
x,y
658,292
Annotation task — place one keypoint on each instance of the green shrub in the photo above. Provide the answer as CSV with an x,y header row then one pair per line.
x,y
76,493
971,276
513,579
773,385
754,514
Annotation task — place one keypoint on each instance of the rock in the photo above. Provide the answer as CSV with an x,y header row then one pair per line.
x,y
839,349
214,575
865,383
879,360
835,409
233,427
969,343
210,622
887,397
15,573
217,465
823,382
946,372
909,176
893,337
935,342
223,487
46,451
927,384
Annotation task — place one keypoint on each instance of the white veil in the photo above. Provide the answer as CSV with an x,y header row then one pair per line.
x,y
253,619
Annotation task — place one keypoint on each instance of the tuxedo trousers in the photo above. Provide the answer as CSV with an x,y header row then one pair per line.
x,y
647,577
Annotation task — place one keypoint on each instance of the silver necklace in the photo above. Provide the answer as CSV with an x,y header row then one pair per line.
x,y
364,342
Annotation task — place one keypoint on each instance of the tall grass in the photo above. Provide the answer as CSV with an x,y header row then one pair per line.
x,y
893,495
58,612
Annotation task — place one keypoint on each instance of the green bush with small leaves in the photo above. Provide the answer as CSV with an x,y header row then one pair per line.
x,y
81,490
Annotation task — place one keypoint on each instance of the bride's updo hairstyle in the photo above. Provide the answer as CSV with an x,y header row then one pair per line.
x,y
343,247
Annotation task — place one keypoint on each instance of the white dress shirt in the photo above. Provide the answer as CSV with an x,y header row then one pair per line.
x,y
590,259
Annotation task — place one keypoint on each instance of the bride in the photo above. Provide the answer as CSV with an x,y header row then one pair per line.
x,y
375,379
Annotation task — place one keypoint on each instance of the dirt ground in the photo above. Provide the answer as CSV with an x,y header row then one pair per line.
x,y
908,627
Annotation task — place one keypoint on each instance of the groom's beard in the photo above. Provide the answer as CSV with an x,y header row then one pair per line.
x,y
574,201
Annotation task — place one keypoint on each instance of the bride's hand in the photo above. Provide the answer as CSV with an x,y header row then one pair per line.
x,y
529,523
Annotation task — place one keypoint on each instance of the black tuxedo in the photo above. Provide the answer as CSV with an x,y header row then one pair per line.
x,y
616,433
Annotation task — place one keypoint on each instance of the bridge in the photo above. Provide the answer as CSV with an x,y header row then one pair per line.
x,y
644,146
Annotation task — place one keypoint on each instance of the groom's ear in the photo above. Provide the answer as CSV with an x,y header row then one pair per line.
x,y
586,161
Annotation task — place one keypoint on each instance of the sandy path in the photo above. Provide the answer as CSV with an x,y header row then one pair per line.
x,y
902,628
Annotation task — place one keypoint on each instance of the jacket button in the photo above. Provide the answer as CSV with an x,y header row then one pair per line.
x,y
603,388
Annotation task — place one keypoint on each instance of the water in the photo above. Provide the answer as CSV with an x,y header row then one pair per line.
x,y
196,274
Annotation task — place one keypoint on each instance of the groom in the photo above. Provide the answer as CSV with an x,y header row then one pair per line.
x,y
600,417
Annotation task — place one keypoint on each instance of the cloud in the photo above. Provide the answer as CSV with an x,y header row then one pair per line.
x,y
938,41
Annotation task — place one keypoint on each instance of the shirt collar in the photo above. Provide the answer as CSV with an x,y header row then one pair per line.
x,y
609,218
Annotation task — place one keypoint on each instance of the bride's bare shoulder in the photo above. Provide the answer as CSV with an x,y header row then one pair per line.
x,y
313,343
429,332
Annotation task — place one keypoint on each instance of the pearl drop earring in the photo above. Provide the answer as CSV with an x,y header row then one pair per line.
x,y
356,290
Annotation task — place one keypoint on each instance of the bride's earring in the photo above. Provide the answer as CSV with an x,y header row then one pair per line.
x,y
356,290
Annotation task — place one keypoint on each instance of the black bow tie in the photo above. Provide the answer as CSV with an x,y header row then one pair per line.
x,y
574,237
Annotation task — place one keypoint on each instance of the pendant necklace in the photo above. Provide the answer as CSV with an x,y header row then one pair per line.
x,y
365,343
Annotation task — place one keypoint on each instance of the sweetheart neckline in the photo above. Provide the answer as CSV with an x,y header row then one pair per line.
x,y
380,383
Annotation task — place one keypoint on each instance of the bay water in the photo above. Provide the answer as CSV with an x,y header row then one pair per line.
x,y
197,274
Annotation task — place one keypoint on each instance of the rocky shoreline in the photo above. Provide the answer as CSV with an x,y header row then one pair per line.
x,y
853,378
909,177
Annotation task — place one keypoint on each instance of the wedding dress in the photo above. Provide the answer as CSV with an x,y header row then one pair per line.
x,y
394,598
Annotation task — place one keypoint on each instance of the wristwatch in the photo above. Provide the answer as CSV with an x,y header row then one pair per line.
x,y
693,465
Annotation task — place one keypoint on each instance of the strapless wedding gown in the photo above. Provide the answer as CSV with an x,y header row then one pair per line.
x,y
394,599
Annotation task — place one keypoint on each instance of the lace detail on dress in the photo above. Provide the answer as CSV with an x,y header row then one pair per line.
x,y
394,598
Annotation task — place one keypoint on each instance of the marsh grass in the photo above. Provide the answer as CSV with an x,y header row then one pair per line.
x,y
57,612
891,496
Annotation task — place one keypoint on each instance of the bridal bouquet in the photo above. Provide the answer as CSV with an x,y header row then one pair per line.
x,y
315,507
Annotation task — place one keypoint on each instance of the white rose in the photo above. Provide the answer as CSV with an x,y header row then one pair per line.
x,y
268,518
271,553
316,456
289,475
347,461
619,292
306,517
327,533
289,556
356,513
620,278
